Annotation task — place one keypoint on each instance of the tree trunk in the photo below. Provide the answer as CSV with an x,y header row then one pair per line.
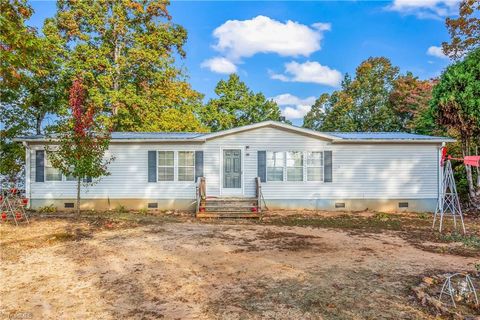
x,y
78,195
468,169
478,169
38,124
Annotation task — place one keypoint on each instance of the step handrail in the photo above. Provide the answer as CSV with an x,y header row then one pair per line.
x,y
200,192
260,197
258,191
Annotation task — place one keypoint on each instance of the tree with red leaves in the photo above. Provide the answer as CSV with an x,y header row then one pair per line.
x,y
78,147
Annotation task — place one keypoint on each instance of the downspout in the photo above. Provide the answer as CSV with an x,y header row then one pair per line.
x,y
28,192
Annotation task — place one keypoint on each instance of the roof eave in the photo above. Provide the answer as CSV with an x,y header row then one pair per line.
x,y
393,141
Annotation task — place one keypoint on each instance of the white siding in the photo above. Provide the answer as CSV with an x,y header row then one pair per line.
x,y
128,177
360,171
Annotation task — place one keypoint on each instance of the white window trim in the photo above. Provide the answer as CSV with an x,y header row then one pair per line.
x,y
302,166
174,163
178,166
322,166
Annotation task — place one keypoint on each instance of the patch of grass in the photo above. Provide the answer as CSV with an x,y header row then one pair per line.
x,y
382,216
143,211
121,209
424,216
472,241
48,209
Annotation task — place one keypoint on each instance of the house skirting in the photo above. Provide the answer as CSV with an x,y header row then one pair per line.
x,y
385,205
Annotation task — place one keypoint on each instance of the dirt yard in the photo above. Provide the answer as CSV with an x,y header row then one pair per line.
x,y
300,266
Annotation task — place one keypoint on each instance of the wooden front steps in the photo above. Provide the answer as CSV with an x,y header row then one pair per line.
x,y
228,207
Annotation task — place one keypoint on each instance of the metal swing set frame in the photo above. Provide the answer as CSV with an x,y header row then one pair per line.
x,y
12,205
448,201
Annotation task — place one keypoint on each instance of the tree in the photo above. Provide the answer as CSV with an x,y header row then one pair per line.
x,y
32,85
81,141
315,118
237,105
464,31
17,43
126,52
456,105
409,100
362,103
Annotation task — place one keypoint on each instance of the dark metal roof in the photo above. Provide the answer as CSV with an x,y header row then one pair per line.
x,y
383,136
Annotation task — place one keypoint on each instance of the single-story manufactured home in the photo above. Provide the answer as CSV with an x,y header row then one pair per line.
x,y
296,168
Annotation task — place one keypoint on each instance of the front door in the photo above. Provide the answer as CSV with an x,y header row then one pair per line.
x,y
232,172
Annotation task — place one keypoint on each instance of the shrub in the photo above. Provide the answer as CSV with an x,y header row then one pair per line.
x,y
48,209
121,209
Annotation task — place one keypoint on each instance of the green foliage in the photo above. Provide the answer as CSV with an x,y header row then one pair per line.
x,y
237,105
467,240
361,104
424,216
125,51
455,101
48,209
409,100
18,43
32,81
456,106
382,216
121,209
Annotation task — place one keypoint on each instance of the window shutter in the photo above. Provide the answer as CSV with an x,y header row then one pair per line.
x,y
152,166
39,166
198,165
262,165
327,159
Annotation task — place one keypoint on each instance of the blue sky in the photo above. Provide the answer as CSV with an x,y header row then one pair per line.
x,y
294,51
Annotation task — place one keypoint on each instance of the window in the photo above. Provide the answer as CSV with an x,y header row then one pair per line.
x,y
51,173
70,178
295,166
166,165
186,166
275,164
315,166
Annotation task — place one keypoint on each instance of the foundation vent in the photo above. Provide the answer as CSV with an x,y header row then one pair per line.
x,y
152,205
339,204
403,204
69,205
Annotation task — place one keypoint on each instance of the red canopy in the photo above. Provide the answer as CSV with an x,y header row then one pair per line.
x,y
472,161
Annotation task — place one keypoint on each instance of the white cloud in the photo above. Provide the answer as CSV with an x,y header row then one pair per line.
x,y
436,52
310,71
426,8
295,107
245,38
219,65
